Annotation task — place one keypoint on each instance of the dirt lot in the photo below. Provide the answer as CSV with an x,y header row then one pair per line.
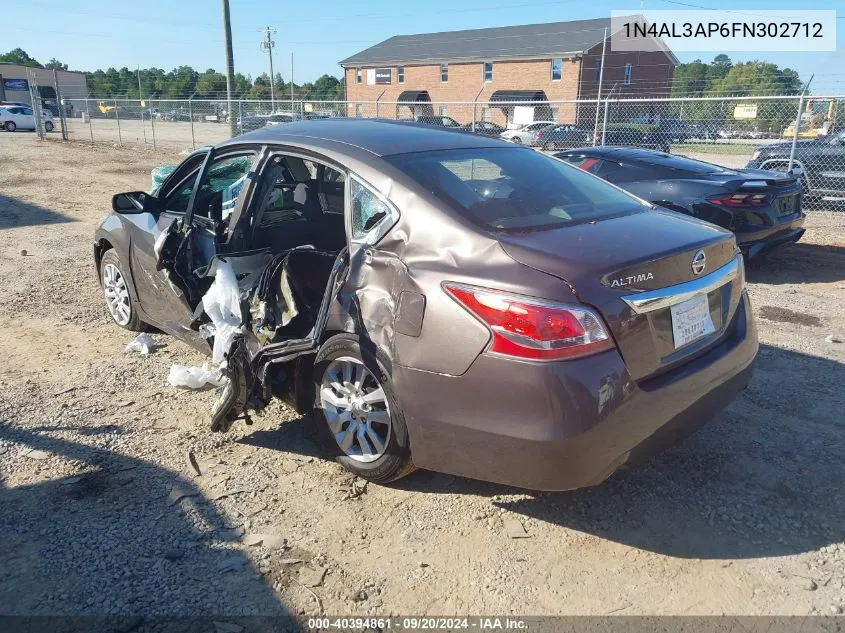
x,y
101,511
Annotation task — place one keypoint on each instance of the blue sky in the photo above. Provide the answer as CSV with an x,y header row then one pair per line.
x,y
166,33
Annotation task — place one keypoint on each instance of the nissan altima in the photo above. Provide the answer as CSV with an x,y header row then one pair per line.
x,y
437,299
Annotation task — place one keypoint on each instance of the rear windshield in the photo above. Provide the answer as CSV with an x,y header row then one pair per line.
x,y
514,189
679,162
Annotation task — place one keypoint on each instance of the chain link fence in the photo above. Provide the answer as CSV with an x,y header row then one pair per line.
x,y
805,134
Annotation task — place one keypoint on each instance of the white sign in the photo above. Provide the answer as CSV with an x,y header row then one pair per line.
x,y
523,115
745,111
371,76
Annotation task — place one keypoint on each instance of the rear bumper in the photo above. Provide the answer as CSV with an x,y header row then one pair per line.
x,y
566,425
755,242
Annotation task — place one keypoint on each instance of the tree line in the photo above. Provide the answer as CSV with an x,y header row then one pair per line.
x,y
723,78
184,82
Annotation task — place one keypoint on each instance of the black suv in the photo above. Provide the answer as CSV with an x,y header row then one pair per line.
x,y
820,163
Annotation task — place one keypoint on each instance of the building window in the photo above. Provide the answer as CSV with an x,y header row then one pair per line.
x,y
444,111
488,72
487,114
557,68
359,75
400,74
598,70
444,73
359,110
629,71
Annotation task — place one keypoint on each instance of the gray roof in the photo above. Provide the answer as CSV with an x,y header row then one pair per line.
x,y
381,137
530,40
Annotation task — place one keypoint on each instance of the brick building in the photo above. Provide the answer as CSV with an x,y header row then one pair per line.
x,y
475,69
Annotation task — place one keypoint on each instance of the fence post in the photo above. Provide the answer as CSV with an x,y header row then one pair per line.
x,y
35,98
90,120
797,125
117,118
152,124
191,117
604,121
62,120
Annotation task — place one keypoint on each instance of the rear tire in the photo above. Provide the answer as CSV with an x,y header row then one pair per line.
x,y
48,126
549,147
517,140
115,286
11,127
359,419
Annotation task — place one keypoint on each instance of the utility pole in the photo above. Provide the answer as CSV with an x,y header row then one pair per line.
x,y
268,45
230,68
291,82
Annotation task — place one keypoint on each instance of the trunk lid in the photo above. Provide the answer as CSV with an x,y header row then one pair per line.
x,y
609,260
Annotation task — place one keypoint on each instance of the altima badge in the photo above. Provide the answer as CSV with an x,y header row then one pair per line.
x,y
633,279
699,262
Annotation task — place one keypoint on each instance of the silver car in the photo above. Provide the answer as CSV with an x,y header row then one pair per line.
x,y
523,135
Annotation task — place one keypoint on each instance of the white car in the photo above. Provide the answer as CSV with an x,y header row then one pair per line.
x,y
12,118
524,134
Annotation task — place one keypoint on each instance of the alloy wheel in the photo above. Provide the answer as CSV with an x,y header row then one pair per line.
x,y
355,407
117,294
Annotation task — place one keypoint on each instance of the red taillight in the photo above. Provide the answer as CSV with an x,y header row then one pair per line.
x,y
538,135
528,328
740,200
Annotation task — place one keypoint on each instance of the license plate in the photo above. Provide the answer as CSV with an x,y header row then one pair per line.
x,y
785,205
691,320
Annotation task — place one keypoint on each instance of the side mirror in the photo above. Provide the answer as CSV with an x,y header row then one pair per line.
x,y
134,202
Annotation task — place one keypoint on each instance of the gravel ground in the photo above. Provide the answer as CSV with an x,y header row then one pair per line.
x,y
104,511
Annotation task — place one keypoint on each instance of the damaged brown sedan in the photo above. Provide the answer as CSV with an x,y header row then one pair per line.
x,y
437,299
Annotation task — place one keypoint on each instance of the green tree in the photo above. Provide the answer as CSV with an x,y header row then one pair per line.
x,y
327,88
260,87
211,84
55,64
19,56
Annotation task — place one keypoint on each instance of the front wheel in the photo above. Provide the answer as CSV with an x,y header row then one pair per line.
x,y
549,147
116,291
359,418
11,127
48,125
517,140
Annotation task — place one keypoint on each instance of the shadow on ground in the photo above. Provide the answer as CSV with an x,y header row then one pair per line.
x,y
764,479
115,541
15,213
798,263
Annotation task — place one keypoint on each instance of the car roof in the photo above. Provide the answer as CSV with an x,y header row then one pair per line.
x,y
380,137
619,153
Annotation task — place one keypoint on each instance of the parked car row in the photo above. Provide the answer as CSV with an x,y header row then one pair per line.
x,y
248,123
